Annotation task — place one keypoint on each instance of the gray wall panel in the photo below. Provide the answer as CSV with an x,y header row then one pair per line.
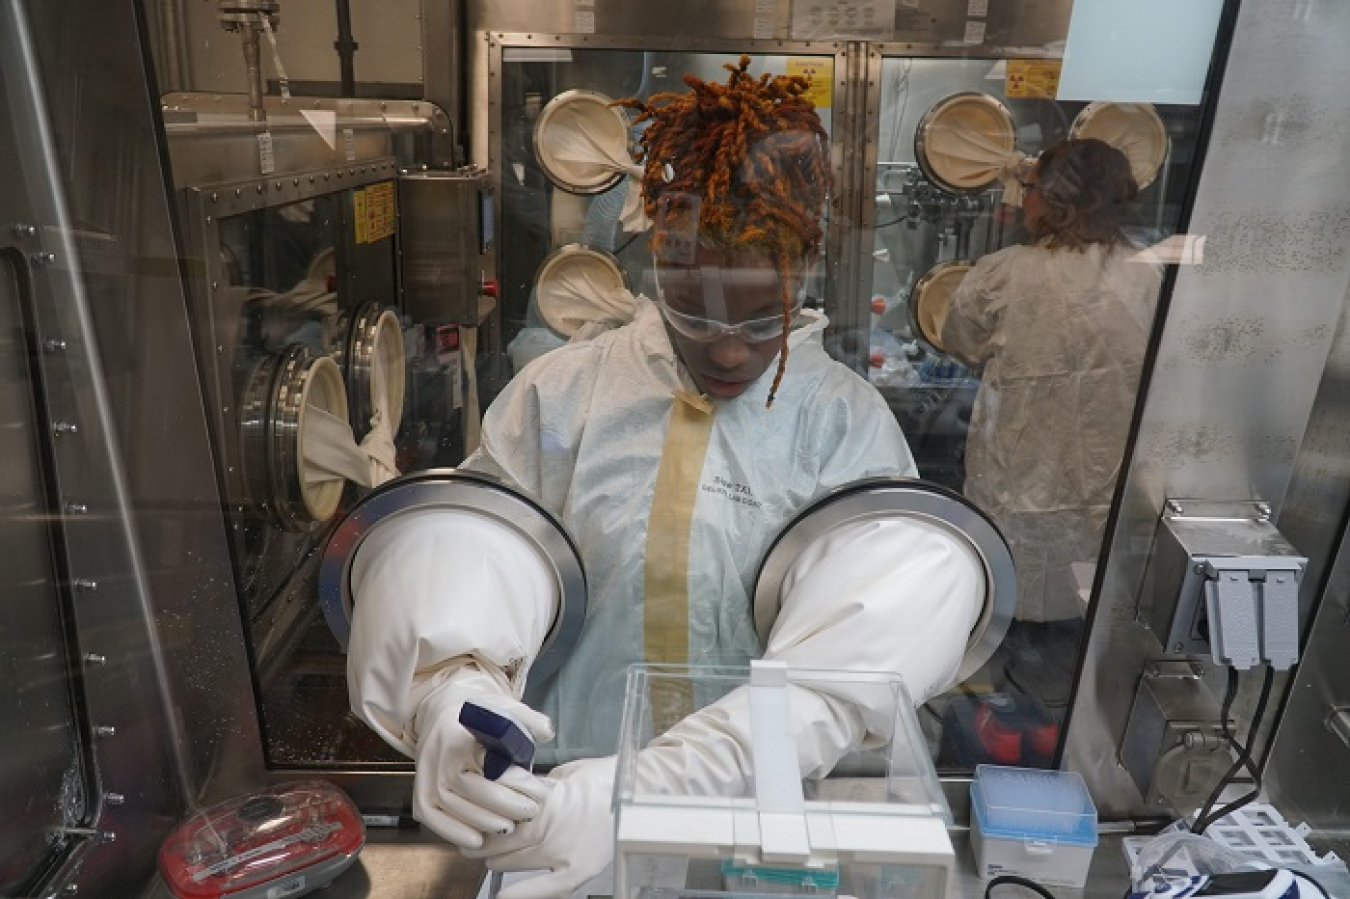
x,y
1247,337
1305,750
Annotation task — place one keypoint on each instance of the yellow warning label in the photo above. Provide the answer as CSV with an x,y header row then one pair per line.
x,y
1032,78
374,212
820,69
361,226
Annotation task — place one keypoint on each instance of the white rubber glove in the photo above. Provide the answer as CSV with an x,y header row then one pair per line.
x,y
572,839
450,794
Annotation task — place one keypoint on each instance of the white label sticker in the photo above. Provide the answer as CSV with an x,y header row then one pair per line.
x,y
764,16
349,144
267,161
454,367
585,23
978,8
826,19
974,32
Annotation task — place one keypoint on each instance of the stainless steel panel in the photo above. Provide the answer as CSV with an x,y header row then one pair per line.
x,y
388,61
211,140
1237,371
1026,24
447,252
444,66
649,18
1308,746
400,865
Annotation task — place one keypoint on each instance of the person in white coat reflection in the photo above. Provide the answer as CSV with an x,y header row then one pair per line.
x,y
1060,327
673,458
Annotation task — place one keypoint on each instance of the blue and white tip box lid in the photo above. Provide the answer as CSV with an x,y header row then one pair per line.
x,y
1033,804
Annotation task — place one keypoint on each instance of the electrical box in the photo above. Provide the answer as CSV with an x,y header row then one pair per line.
x,y
1223,581
1174,746
446,225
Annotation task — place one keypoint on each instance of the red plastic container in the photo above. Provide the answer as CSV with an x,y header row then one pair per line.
x,y
284,841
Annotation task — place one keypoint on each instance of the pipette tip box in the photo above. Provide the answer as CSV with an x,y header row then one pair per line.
x,y
1037,824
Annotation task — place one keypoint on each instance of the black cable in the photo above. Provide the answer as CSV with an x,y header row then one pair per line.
x,y
1018,881
1208,814
1246,757
1229,696
1321,889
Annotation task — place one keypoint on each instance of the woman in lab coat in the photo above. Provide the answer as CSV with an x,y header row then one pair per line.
x,y
673,449
1060,327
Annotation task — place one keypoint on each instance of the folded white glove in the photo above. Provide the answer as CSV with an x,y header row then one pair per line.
x,y
572,839
450,794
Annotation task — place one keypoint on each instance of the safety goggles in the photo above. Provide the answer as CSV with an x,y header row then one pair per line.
x,y
707,330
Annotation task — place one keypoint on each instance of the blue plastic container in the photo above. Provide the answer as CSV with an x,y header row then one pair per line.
x,y
1032,823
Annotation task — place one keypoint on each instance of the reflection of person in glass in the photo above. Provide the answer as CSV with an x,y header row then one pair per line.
x,y
674,449
1060,327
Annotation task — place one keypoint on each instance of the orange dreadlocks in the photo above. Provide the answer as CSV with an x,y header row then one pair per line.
x,y
747,160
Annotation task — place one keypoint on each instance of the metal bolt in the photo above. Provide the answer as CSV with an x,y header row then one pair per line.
x,y
63,427
1197,669
22,230
53,345
75,509
43,258
71,889
1174,507
1263,508
104,730
86,584
238,192
114,798
1180,647
93,658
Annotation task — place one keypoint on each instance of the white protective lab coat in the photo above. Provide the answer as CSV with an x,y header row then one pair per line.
x,y
1061,335
582,431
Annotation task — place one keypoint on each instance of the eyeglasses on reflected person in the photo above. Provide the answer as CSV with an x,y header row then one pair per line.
x,y
707,330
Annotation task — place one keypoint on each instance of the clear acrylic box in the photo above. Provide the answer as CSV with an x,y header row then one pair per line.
x,y
874,828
